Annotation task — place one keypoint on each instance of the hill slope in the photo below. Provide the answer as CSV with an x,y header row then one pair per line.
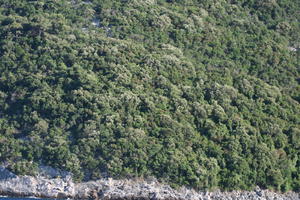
x,y
197,93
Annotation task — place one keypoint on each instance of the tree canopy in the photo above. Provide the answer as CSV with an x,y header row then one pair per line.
x,y
198,93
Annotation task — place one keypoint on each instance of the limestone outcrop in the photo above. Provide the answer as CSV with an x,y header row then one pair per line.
x,y
109,189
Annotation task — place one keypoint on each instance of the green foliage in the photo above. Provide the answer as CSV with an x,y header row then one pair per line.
x,y
196,93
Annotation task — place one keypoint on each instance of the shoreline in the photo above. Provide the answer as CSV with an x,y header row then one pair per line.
x,y
126,189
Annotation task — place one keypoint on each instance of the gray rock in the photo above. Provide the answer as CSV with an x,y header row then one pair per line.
x,y
50,172
5,174
110,189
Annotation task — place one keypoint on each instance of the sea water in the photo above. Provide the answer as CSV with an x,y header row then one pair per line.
x,y
12,198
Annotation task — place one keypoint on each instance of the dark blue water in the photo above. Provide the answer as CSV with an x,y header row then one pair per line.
x,y
10,198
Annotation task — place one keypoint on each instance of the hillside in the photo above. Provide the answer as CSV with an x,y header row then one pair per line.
x,y
198,93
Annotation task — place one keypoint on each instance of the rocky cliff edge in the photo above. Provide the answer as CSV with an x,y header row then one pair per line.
x,y
109,189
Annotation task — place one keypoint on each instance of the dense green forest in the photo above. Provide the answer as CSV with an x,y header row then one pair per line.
x,y
201,93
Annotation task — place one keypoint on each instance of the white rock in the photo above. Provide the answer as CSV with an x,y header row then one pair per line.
x,y
107,188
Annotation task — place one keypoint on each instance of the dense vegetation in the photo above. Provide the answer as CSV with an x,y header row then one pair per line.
x,y
202,93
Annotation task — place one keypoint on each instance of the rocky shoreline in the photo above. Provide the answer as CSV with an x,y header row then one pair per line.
x,y
109,189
